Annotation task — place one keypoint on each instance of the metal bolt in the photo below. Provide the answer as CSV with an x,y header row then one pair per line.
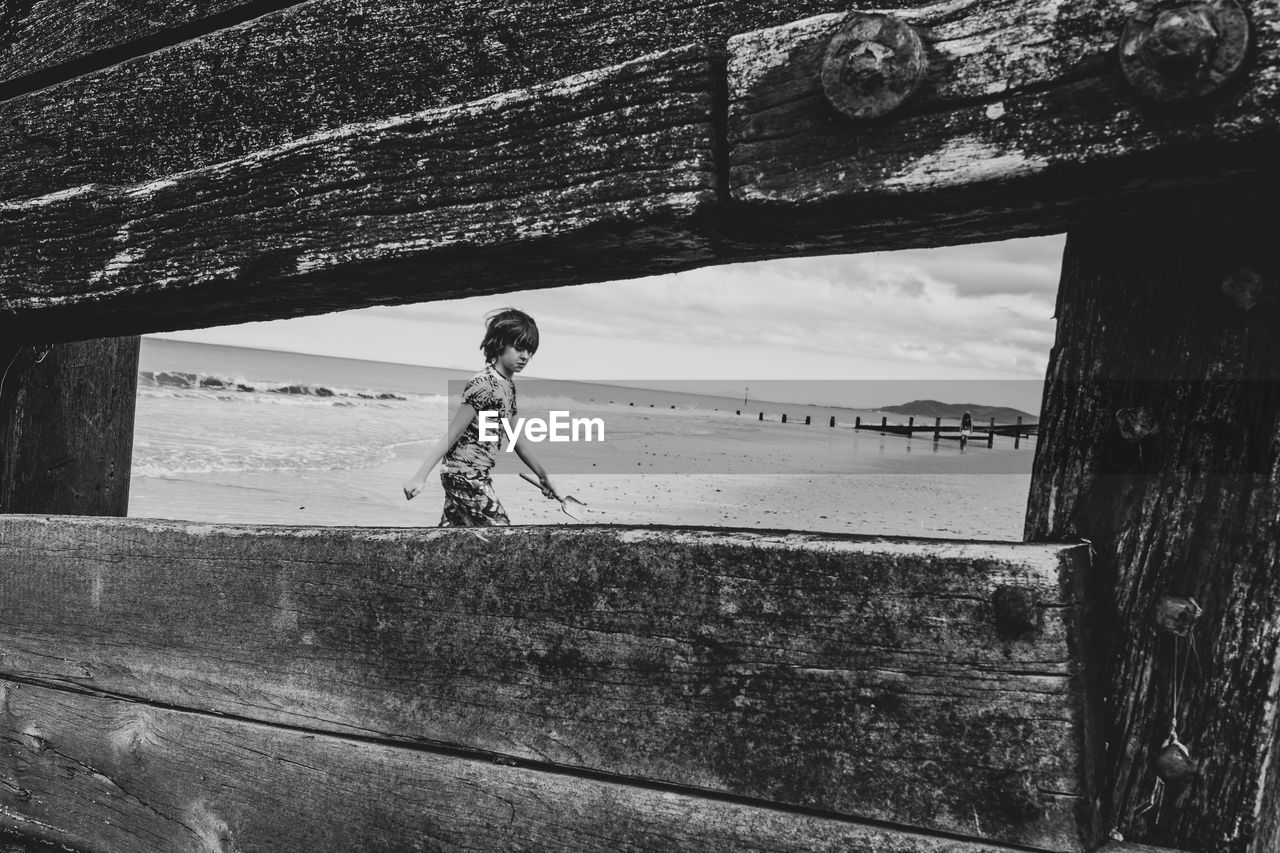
x,y
1174,765
1175,615
1249,288
1136,423
1015,611
1180,50
873,63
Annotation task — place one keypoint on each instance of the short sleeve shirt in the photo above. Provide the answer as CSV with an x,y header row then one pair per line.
x,y
487,391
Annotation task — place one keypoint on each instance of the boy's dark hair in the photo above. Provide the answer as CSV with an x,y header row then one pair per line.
x,y
508,328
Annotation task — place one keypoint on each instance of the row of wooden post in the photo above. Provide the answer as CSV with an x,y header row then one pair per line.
x,y
911,422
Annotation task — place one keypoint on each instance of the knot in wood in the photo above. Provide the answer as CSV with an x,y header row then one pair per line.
x,y
1135,423
873,63
1175,615
1018,796
1178,51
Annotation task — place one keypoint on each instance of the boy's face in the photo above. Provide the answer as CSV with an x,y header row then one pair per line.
x,y
511,360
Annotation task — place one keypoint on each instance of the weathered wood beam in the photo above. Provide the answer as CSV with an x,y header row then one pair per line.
x,y
66,427
328,63
1014,132
611,169
1159,443
119,777
926,684
49,41
1023,123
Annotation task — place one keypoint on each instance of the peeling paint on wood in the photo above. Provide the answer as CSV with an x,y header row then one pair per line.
x,y
863,677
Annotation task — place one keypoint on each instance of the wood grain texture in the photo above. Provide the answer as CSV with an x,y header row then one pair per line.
x,y
1024,120
66,427
872,678
329,63
118,777
610,170
1190,509
36,35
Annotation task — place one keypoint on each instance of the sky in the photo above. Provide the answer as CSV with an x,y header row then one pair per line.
x,y
981,312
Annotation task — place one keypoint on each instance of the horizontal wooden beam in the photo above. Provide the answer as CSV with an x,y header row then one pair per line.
x,y
613,173
607,169
931,684
1023,114
47,41
318,66
119,777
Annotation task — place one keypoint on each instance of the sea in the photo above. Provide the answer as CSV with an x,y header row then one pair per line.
x,y
253,436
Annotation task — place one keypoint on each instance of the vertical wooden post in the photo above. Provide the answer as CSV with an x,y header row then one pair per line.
x,y
991,434
937,429
833,422
66,427
857,422
1017,433
1160,443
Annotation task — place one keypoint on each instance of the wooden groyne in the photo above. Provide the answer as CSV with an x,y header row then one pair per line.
x,y
201,688
689,681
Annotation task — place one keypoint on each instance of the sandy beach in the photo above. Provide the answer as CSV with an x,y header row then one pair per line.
x,y
903,488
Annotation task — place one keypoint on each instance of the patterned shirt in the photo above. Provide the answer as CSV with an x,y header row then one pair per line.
x,y
487,391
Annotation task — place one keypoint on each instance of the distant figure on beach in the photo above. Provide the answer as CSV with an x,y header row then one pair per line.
x,y
966,429
510,340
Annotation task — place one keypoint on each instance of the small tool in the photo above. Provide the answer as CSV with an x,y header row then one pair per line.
x,y
563,503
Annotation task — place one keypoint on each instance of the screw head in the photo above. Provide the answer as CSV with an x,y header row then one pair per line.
x,y
1175,615
873,63
1249,288
1174,51
1135,423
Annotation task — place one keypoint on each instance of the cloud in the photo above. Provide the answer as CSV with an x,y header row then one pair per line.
x,y
983,310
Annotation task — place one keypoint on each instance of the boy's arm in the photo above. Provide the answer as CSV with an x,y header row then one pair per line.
x,y
457,426
526,456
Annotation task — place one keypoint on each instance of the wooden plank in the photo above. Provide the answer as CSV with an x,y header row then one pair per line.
x,y
872,678
66,427
1158,444
66,34
610,170
119,777
1023,124
328,63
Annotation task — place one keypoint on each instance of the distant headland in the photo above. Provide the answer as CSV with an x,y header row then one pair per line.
x,y
953,411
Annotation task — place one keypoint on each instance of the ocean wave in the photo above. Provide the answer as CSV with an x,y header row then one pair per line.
x,y
204,382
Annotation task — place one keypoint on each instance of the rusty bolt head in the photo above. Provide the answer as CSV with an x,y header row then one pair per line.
x,y
1136,423
1174,765
1015,612
1175,615
1180,50
1249,288
873,64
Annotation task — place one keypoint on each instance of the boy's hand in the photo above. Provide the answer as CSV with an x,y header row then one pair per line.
x,y
413,488
549,490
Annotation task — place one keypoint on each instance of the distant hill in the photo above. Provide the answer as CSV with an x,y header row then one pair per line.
x,y
981,414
